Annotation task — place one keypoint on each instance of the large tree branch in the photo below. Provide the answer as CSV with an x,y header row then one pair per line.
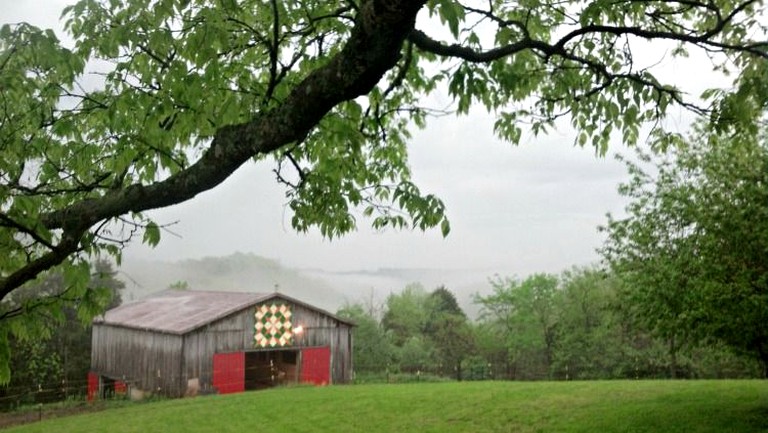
x,y
703,39
69,244
559,49
7,221
426,43
373,48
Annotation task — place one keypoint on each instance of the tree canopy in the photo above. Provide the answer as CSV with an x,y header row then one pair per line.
x,y
583,324
692,249
527,314
187,91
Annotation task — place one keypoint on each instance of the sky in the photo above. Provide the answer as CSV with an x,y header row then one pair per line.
x,y
514,210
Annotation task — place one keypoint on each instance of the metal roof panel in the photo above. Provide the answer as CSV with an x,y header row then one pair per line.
x,y
180,311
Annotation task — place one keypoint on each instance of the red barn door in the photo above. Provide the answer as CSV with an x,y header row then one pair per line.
x,y
229,372
316,365
93,386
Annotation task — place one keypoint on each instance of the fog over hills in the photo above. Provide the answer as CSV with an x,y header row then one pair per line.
x,y
327,289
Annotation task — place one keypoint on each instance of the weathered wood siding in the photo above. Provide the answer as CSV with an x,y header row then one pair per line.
x,y
230,334
149,361
323,330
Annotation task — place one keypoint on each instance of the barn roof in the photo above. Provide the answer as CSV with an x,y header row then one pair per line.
x,y
182,311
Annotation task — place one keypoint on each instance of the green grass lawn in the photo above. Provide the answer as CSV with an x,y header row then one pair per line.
x,y
595,407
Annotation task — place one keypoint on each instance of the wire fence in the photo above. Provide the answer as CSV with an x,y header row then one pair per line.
x,y
25,404
47,392
524,370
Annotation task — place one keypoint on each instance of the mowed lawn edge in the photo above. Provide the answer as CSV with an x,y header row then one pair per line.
x,y
589,406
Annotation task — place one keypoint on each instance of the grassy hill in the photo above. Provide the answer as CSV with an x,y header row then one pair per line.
x,y
603,407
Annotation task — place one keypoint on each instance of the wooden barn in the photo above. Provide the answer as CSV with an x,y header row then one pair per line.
x,y
181,342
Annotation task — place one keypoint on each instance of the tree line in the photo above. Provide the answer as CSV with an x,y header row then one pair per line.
x,y
572,326
682,289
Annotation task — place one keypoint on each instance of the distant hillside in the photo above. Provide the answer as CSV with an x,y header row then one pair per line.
x,y
329,290
237,272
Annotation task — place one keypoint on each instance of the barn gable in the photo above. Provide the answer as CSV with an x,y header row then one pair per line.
x,y
182,342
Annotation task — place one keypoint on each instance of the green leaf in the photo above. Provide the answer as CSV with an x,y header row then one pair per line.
x,y
445,227
151,234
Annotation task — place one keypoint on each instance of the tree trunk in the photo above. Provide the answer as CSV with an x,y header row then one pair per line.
x,y
762,353
672,358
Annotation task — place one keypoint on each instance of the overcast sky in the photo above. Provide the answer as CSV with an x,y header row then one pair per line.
x,y
513,210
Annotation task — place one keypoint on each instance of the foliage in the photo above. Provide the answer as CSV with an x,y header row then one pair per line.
x,y
691,251
190,90
583,328
406,313
526,311
574,407
589,338
417,354
179,285
453,340
371,348
429,331
449,330
491,346
442,302
575,326
50,365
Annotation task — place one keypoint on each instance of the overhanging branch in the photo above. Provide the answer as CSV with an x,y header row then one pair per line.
x,y
426,43
372,49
